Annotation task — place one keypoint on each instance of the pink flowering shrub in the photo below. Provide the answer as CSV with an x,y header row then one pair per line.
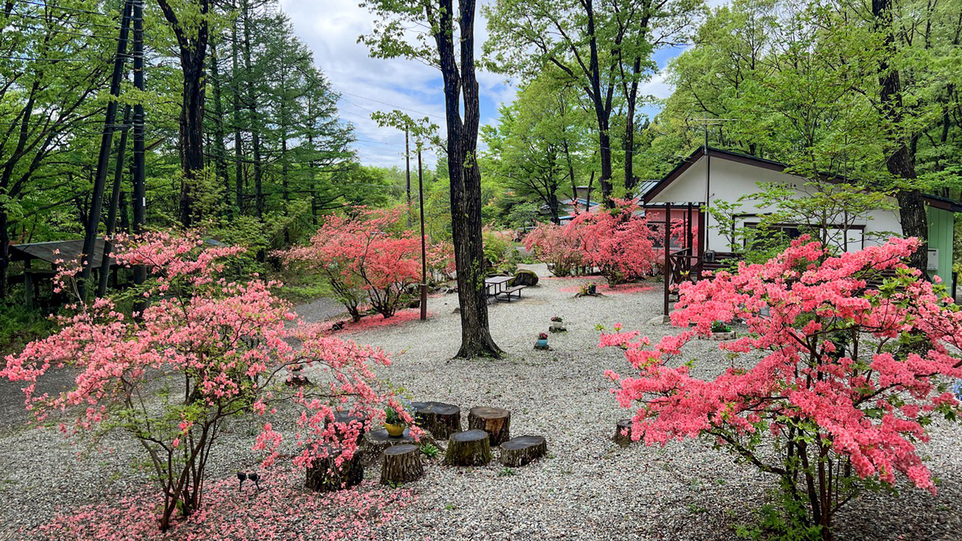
x,y
204,349
552,244
616,241
679,232
843,377
364,258
440,261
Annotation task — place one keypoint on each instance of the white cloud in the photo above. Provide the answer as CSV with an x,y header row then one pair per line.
x,y
367,84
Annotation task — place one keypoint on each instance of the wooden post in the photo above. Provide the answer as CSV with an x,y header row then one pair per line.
x,y
702,236
407,161
667,255
424,256
27,285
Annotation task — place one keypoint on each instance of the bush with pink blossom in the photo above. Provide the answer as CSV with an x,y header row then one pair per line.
x,y
839,379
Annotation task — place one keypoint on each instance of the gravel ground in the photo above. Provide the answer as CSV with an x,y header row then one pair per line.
x,y
587,488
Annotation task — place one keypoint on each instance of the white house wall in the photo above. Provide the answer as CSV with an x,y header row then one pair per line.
x,y
732,180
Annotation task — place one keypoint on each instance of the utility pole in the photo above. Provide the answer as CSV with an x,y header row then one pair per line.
x,y
103,160
407,161
114,204
139,195
424,252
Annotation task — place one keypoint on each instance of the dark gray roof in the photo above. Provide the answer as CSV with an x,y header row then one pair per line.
x,y
50,252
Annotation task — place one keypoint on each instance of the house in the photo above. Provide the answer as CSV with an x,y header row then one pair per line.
x,y
710,175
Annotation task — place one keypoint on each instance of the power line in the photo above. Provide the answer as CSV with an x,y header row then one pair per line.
x,y
384,103
14,14
61,8
42,59
67,32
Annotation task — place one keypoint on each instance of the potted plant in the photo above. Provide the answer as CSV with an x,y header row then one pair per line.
x,y
393,423
592,288
720,331
542,342
556,325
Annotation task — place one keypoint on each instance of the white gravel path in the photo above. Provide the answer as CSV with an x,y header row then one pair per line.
x,y
587,488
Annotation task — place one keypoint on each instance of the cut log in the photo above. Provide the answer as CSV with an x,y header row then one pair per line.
x,y
522,450
438,418
402,464
494,421
469,448
622,433
325,476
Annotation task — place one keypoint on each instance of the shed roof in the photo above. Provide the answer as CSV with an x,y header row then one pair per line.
x,y
51,252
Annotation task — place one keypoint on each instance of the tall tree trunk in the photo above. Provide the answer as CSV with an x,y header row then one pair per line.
x,y
4,252
192,43
465,176
602,104
901,163
253,118
629,142
220,152
236,110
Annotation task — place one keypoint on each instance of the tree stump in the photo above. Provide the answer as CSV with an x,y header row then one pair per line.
x,y
325,476
469,448
402,464
440,419
620,437
378,441
494,421
522,450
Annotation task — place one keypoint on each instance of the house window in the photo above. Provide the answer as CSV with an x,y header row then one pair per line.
x,y
850,238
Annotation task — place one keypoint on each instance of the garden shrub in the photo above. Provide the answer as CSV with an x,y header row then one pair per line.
x,y
204,349
842,377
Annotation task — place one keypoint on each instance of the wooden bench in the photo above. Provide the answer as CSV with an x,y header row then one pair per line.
x,y
506,294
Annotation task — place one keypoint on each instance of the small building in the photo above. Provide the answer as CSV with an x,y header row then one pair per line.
x,y
38,279
710,175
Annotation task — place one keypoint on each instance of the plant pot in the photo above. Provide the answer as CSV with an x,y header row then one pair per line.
x,y
592,289
541,343
719,336
556,327
395,431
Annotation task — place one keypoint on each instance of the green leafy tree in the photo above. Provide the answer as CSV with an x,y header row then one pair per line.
x,y
451,29
534,149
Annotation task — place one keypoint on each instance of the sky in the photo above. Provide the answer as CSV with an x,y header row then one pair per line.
x,y
331,29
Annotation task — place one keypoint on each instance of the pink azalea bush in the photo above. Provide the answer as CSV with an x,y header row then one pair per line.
x,y
366,258
843,377
679,232
616,241
552,244
203,350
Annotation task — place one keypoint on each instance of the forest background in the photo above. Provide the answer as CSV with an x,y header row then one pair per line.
x,y
868,91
